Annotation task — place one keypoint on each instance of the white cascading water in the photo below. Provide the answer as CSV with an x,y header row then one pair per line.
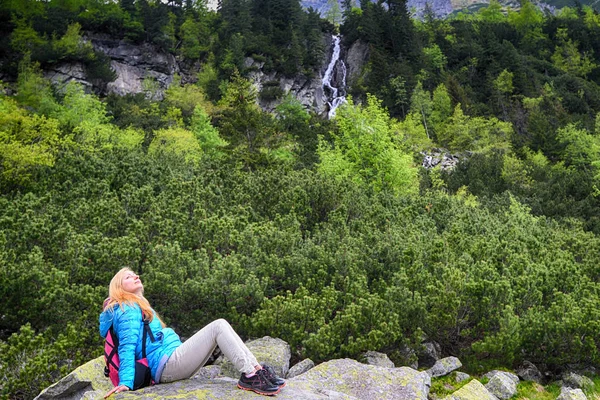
x,y
333,100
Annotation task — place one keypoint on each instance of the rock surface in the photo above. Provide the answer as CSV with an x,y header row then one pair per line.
x,y
272,351
529,372
461,376
144,68
576,381
473,390
444,367
300,368
503,385
378,359
356,58
429,354
445,160
571,394
337,379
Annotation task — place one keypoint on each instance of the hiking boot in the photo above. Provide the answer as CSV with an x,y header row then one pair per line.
x,y
258,383
272,376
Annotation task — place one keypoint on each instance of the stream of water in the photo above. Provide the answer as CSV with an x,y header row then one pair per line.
x,y
335,95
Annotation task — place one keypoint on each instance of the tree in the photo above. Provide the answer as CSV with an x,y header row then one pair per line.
x,y
420,104
178,142
207,135
365,151
334,12
27,142
475,133
580,148
568,58
251,132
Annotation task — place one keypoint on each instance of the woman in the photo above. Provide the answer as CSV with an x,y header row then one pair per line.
x,y
168,358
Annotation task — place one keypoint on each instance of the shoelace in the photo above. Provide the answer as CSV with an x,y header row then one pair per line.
x,y
262,376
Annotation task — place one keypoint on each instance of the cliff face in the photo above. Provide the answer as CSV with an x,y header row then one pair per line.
x,y
133,65
139,66
440,8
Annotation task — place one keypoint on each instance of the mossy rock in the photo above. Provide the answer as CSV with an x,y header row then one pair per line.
x,y
473,390
337,379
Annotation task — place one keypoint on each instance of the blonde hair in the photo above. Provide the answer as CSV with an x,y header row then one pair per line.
x,y
118,295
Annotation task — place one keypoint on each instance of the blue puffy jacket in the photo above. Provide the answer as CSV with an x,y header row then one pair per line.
x,y
128,326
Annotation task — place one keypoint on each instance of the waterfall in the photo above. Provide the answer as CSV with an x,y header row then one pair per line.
x,y
333,99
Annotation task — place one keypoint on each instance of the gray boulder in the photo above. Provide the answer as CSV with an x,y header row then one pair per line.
x,y
444,367
508,375
361,381
502,384
86,382
337,379
461,376
529,372
407,357
473,390
571,394
300,368
430,353
575,381
378,359
272,351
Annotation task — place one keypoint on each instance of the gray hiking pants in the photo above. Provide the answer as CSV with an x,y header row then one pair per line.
x,y
188,358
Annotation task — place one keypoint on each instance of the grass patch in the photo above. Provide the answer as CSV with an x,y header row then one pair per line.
x,y
445,385
535,391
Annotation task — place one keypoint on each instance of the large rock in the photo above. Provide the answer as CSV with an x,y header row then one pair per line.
x,y
571,394
67,72
272,351
86,382
576,381
429,354
444,367
337,379
134,64
300,368
461,376
529,372
361,381
473,390
502,384
376,358
506,374
445,160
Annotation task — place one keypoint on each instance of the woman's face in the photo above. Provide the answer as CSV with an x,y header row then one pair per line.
x,y
132,283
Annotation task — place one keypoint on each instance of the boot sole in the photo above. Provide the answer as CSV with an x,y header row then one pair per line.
x,y
259,391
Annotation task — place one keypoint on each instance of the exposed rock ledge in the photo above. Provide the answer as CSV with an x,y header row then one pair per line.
x,y
335,379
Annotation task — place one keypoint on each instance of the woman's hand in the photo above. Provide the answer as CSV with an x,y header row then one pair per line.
x,y
117,389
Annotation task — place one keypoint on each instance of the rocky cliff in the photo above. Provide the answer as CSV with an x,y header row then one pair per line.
x,y
140,67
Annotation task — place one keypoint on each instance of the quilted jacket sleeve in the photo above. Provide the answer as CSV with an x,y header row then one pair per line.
x,y
128,328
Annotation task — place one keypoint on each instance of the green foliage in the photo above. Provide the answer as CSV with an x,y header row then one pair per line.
x,y
581,148
207,135
463,132
568,58
445,385
504,82
27,142
364,150
33,90
228,211
178,141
